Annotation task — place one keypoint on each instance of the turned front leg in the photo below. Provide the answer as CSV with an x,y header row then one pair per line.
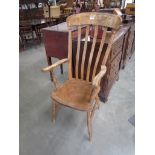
x,y
89,125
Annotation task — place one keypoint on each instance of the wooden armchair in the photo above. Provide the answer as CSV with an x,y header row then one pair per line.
x,y
81,92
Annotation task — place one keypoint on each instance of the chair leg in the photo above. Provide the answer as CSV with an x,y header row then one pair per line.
x,y
98,102
89,125
61,68
54,110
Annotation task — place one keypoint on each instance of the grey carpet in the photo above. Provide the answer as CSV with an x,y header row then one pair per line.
x,y
132,120
112,132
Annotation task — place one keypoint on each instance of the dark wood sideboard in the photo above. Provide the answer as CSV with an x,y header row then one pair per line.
x,y
56,45
129,46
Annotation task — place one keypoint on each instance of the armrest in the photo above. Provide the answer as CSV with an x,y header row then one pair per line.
x,y
53,66
50,68
98,77
96,83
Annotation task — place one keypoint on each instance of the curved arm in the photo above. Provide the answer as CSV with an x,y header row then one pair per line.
x,y
53,66
98,77
50,68
96,82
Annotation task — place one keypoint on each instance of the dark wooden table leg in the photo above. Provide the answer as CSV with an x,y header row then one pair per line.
x,y
61,67
49,61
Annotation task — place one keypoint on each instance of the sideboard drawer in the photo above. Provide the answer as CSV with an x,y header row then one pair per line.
x,y
117,48
114,67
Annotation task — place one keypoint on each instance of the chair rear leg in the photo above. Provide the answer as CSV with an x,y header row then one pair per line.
x,y
54,110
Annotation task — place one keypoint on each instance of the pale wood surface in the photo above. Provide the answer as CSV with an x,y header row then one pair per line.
x,y
109,48
84,51
77,93
78,50
70,54
95,18
92,52
98,77
53,66
100,51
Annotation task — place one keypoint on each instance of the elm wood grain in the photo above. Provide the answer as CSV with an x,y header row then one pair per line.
x,y
78,50
77,93
84,50
80,99
51,67
70,54
95,18
99,52
92,53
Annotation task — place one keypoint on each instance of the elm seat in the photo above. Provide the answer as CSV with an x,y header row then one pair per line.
x,y
75,94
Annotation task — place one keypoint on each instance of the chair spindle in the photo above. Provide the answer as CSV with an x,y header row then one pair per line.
x,y
84,51
92,52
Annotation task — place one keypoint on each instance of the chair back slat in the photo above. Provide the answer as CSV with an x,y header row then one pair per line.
x,y
100,51
78,51
84,51
108,48
92,52
70,54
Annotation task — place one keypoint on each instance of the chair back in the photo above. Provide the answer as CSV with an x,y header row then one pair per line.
x,y
83,64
